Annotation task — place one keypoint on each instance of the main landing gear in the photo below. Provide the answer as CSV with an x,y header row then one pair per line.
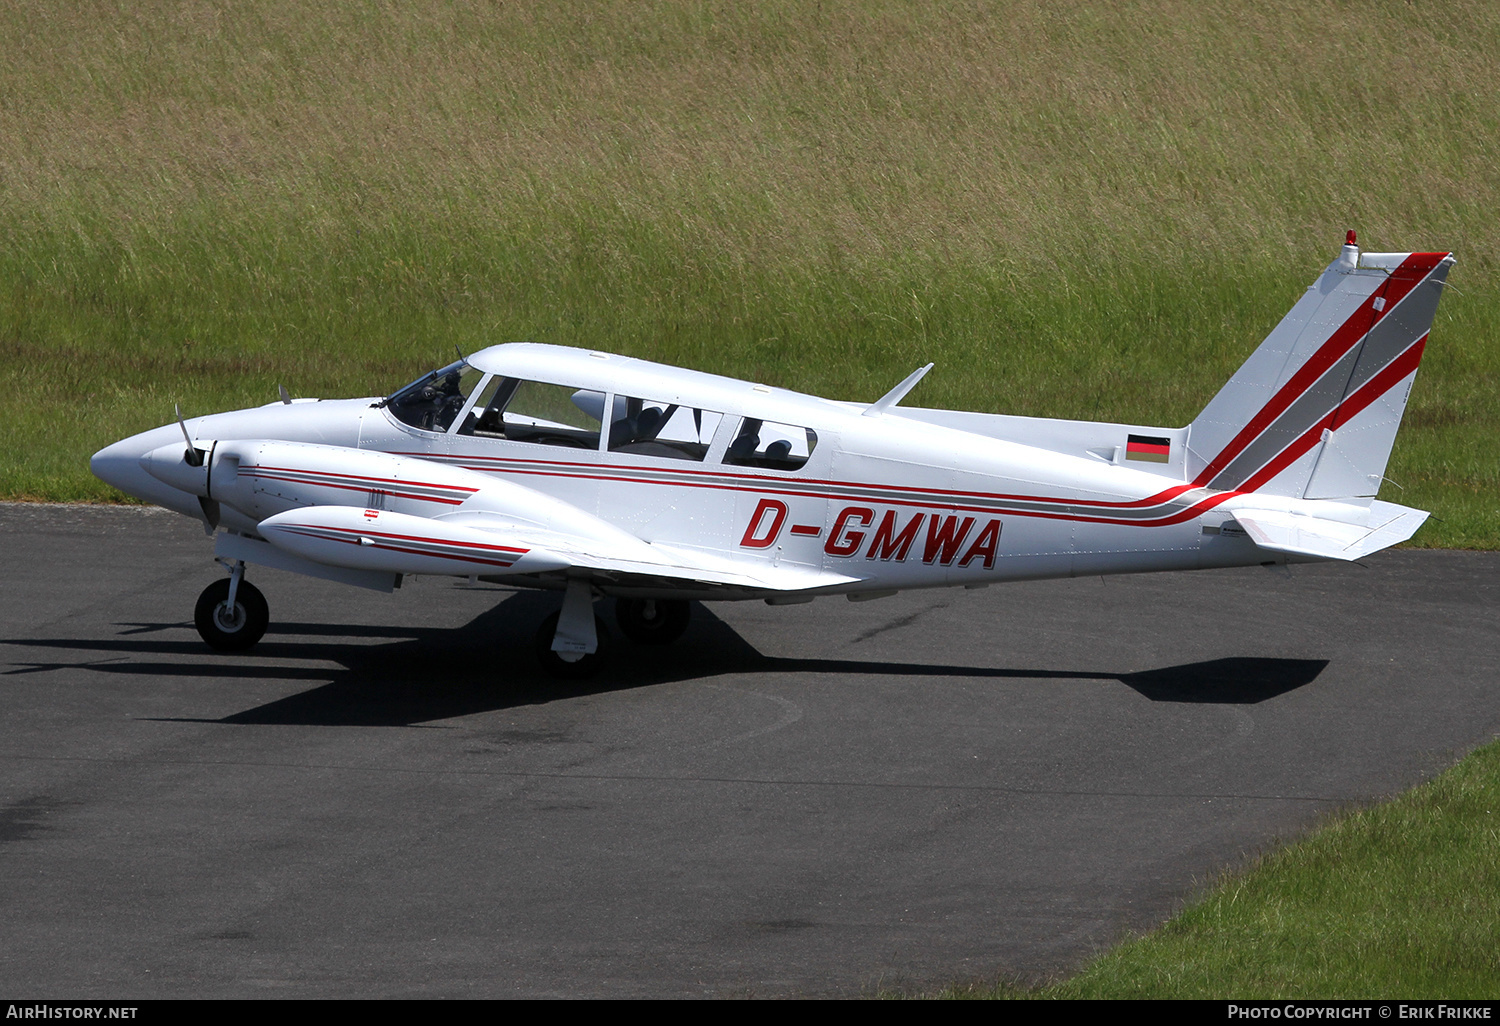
x,y
652,621
567,648
231,614
569,665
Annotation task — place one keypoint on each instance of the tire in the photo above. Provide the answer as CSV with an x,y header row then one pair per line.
x,y
555,665
231,633
652,621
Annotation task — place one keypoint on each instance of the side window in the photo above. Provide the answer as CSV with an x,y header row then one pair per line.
x,y
538,412
434,400
484,416
648,427
760,443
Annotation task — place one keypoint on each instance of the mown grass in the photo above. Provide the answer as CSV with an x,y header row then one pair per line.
x,y
1076,211
1399,900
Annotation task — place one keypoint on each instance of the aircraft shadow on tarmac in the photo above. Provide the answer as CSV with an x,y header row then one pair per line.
x,y
426,673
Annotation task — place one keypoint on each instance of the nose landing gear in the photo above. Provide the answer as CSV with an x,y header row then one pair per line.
x,y
232,614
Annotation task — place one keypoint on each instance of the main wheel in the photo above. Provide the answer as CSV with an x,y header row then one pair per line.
x,y
231,630
652,621
555,665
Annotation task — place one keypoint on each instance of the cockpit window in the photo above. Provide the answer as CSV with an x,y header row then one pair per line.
x,y
760,443
483,417
535,411
648,427
435,399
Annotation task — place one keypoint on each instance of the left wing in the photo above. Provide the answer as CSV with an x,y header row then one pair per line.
x,y
361,516
490,545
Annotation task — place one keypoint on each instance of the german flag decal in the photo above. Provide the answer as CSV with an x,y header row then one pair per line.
x,y
1145,447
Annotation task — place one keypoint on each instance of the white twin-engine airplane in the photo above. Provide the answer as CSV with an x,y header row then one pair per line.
x,y
593,474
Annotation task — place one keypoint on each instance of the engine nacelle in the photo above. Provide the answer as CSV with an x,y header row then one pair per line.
x,y
261,479
371,539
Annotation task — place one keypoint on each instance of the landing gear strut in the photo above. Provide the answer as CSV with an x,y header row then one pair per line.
x,y
231,614
570,643
652,621
557,664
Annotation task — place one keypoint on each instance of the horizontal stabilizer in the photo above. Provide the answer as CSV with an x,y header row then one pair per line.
x,y
1280,531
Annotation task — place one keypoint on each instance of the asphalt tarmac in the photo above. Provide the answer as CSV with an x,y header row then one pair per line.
x,y
386,798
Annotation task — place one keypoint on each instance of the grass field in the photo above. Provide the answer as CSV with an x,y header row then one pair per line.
x,y
1076,210
1400,900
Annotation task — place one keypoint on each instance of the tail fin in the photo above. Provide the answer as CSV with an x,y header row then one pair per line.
x,y
1314,411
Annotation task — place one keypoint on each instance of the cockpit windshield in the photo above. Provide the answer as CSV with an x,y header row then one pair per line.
x,y
435,399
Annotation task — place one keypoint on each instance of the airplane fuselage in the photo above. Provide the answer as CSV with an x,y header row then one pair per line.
x,y
889,502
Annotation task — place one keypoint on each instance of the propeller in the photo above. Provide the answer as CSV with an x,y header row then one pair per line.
x,y
193,457
210,508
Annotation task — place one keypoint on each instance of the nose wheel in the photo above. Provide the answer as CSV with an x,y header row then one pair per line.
x,y
231,625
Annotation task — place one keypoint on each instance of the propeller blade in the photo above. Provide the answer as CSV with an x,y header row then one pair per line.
x,y
210,509
192,456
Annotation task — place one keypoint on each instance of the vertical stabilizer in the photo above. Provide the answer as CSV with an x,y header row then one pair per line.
x,y
1314,411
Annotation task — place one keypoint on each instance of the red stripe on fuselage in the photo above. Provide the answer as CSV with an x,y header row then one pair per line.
x,y
319,479
362,477
361,488
752,483
768,487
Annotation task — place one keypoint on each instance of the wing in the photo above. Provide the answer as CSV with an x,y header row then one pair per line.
x,y
490,545
363,517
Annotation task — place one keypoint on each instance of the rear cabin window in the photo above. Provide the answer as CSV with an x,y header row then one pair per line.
x,y
770,446
650,427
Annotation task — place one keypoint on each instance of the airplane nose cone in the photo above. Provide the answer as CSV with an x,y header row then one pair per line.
x,y
120,465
